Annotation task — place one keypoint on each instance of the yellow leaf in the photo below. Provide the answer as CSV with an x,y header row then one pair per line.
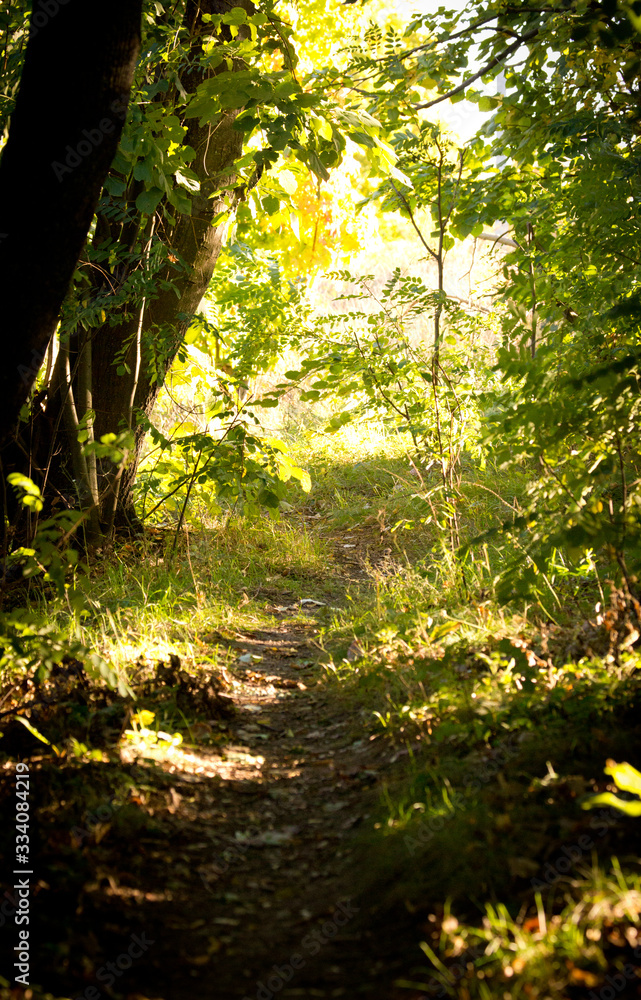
x,y
38,735
143,718
632,808
626,777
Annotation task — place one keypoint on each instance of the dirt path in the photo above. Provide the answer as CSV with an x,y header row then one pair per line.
x,y
252,890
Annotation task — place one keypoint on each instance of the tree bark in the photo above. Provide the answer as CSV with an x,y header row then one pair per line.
x,y
167,317
64,133
157,326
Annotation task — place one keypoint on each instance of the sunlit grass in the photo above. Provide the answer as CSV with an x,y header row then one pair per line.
x,y
541,953
149,600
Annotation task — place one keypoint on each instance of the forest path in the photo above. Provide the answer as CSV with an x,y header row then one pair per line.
x,y
262,853
242,864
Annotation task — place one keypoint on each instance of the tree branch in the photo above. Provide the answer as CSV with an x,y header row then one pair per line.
x,y
502,238
496,61
401,197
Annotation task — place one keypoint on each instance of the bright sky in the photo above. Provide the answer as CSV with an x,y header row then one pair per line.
x,y
463,118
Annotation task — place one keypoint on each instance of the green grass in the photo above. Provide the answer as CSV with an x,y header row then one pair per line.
x,y
146,599
538,954
503,717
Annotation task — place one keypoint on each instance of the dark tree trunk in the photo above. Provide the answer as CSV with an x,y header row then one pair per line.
x,y
64,132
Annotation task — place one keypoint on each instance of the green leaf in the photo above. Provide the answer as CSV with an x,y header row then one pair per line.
x,y
143,171
268,499
303,477
147,201
270,204
316,166
32,496
191,183
288,181
180,201
325,130
115,185
235,16
363,139
36,733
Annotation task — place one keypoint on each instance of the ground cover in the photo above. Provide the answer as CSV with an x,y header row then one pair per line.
x,y
345,771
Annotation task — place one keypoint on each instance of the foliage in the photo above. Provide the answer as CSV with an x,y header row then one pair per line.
x,y
503,443
142,737
229,469
523,954
582,431
471,704
252,314
376,365
49,555
555,167
28,640
628,779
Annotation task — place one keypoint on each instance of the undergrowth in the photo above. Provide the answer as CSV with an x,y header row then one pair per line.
x,y
502,717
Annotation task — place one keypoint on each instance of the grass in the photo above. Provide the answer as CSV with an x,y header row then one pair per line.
x,y
503,716
143,598
505,733
536,955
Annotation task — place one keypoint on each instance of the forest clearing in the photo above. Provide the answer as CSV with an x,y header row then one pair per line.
x,y
320,620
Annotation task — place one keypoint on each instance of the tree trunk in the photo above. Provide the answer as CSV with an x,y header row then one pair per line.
x,y
151,330
64,132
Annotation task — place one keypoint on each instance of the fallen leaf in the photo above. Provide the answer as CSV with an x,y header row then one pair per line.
x,y
583,976
250,658
272,838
